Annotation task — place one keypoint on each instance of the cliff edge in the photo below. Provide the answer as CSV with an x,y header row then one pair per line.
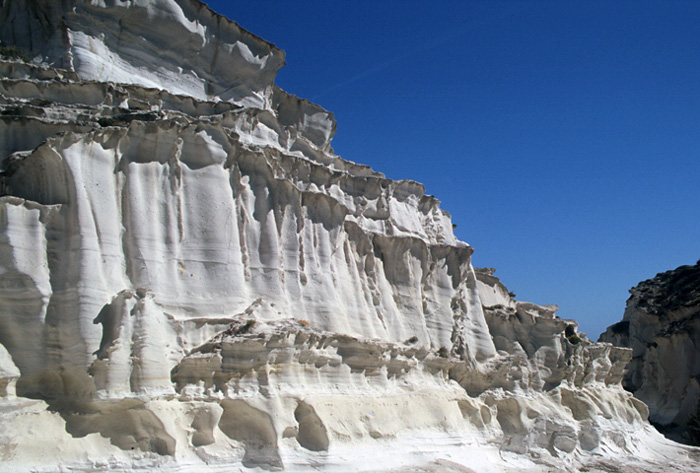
x,y
192,280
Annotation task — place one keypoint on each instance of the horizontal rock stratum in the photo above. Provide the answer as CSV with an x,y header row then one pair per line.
x,y
191,279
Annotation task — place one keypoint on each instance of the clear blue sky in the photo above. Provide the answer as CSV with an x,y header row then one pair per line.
x,y
563,137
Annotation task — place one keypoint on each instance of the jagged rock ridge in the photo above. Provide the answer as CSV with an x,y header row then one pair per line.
x,y
662,326
191,279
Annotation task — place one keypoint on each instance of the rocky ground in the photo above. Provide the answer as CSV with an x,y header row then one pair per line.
x,y
191,280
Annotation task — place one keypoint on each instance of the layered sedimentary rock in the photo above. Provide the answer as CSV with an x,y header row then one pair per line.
x,y
192,279
661,325
187,48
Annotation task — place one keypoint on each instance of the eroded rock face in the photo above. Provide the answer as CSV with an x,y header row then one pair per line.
x,y
190,278
188,49
662,326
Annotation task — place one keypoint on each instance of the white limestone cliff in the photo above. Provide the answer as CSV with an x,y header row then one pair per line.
x,y
188,49
661,325
191,279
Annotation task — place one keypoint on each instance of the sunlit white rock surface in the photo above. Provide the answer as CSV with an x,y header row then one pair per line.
x,y
191,280
662,326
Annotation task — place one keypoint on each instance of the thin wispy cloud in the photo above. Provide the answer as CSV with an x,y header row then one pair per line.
x,y
450,35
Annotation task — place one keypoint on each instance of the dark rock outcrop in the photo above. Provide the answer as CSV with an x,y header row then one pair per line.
x,y
662,326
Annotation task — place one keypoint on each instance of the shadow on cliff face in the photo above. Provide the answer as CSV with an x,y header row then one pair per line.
x,y
312,433
254,429
126,423
688,433
661,324
669,291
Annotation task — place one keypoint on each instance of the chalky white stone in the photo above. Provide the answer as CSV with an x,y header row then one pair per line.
x,y
191,280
